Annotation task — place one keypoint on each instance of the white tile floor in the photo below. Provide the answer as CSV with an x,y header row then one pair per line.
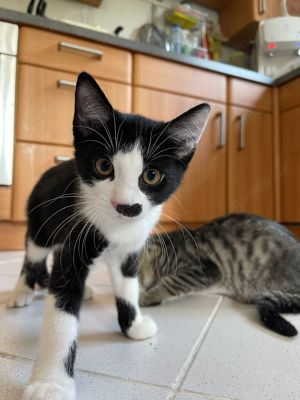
x,y
207,348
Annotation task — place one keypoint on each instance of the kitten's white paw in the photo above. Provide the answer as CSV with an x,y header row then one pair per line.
x,y
49,391
142,329
88,293
20,297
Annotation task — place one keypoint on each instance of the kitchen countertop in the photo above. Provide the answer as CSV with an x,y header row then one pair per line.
x,y
61,27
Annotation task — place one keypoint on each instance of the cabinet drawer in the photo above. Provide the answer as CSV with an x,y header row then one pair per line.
x,y
166,75
31,160
45,109
249,94
67,53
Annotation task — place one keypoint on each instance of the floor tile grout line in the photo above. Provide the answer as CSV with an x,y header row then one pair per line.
x,y
206,395
194,352
8,356
125,380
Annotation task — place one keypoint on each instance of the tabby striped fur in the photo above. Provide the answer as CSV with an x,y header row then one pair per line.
x,y
246,257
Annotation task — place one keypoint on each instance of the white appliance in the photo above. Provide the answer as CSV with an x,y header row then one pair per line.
x,y
8,62
278,46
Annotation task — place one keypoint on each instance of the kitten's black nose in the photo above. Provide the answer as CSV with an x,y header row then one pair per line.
x,y
129,211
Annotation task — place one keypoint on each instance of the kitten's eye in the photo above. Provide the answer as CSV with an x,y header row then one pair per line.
x,y
152,177
104,167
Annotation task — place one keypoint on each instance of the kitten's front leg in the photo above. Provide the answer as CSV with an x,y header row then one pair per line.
x,y
52,377
124,278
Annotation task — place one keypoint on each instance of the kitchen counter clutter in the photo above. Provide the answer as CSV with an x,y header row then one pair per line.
x,y
247,159
76,31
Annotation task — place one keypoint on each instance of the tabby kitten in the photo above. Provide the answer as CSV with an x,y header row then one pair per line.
x,y
99,207
246,257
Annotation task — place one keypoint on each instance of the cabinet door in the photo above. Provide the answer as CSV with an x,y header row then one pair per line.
x,y
46,104
5,202
31,160
201,195
250,162
241,17
290,165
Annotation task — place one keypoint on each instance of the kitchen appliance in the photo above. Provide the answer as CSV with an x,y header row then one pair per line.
x,y
8,62
277,48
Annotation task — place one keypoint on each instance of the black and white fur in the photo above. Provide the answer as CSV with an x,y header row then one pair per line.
x,y
83,218
246,257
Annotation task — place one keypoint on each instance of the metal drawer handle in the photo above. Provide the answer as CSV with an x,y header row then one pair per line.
x,y
222,141
59,159
66,83
262,6
242,120
82,49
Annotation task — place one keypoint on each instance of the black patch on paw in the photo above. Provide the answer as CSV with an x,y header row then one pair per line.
x,y
69,361
35,273
126,314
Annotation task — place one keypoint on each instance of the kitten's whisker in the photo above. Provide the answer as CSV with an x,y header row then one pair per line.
x,y
169,156
119,139
104,126
107,145
156,252
164,249
167,138
179,202
149,144
115,130
164,151
63,196
108,150
158,137
69,237
61,226
51,216
165,253
182,227
171,243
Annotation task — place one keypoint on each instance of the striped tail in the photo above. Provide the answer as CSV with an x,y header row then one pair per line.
x,y
270,304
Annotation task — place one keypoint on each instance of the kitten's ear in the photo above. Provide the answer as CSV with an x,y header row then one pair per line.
x,y
187,129
90,102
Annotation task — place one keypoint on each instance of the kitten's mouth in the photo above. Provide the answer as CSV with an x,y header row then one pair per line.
x,y
125,217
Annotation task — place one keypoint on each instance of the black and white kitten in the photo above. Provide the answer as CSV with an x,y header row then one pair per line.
x,y
102,205
244,256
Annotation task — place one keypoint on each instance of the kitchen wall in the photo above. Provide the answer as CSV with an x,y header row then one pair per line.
x,y
131,14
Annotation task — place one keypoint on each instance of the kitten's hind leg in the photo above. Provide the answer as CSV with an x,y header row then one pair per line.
x,y
272,303
34,271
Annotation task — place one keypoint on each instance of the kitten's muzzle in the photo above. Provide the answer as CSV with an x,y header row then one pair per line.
x,y
129,210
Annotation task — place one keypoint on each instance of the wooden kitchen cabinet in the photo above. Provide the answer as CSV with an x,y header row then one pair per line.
x,y
168,76
46,104
289,143
290,165
201,196
241,17
5,202
250,162
31,160
66,53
